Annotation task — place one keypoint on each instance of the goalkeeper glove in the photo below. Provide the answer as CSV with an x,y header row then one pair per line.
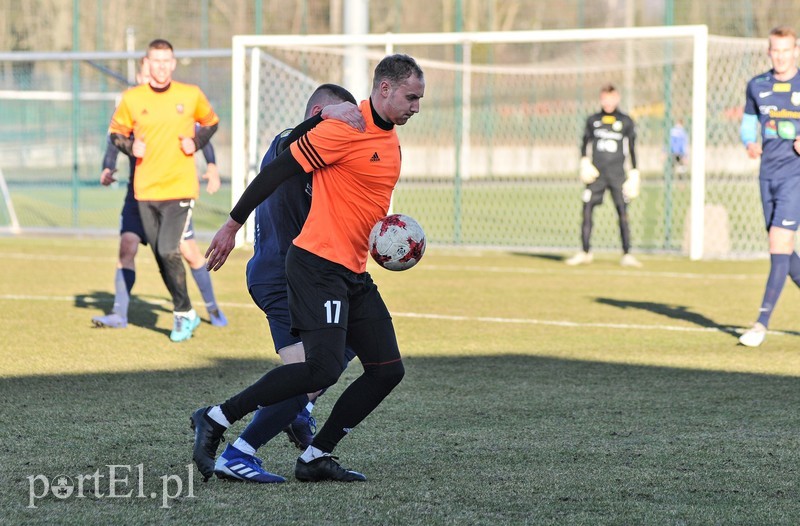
x,y
588,172
632,185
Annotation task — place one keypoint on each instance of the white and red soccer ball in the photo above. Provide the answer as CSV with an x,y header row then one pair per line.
x,y
397,242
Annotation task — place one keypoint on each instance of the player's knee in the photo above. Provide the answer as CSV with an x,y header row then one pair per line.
x,y
170,255
389,374
323,374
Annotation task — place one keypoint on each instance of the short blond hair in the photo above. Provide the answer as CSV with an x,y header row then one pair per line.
x,y
784,32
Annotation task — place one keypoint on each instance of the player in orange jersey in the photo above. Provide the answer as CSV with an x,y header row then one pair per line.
x,y
161,116
332,299
132,234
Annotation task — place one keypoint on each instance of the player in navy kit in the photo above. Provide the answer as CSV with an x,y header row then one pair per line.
x,y
773,101
609,131
278,221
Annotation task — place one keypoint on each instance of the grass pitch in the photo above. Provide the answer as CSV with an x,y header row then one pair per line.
x,y
535,393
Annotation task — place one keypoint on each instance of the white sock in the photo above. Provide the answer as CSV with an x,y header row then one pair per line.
x,y
311,453
310,407
243,446
191,314
216,414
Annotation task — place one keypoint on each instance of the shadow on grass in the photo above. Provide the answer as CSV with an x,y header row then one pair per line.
x,y
142,312
720,445
676,312
545,257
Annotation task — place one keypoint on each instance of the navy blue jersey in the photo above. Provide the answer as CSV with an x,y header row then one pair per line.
x,y
279,219
607,132
776,104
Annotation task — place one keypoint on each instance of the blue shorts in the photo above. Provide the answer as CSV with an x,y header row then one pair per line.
x,y
274,301
781,202
131,221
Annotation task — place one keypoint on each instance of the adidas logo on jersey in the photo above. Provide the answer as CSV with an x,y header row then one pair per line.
x,y
374,158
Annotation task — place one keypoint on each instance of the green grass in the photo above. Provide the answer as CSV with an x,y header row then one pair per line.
x,y
535,393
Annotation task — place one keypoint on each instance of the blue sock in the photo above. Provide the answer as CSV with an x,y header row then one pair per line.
x,y
203,280
778,271
123,283
794,268
269,421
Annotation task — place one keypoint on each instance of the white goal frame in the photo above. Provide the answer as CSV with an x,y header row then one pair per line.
x,y
242,167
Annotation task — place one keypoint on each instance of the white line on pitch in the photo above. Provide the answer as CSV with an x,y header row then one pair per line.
x,y
417,315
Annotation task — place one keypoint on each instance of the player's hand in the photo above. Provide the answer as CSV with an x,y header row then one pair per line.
x,y
223,243
212,176
187,145
632,185
138,147
107,176
754,149
797,145
588,171
346,112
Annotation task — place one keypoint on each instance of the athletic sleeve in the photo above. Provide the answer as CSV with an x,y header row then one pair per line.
x,y
266,182
123,143
324,145
208,153
202,134
587,137
749,129
110,158
632,142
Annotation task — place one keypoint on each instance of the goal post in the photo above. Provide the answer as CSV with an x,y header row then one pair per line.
x,y
491,160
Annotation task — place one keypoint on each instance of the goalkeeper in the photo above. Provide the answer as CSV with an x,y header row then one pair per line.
x,y
608,130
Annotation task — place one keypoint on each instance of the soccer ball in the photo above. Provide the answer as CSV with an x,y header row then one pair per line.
x,y
397,242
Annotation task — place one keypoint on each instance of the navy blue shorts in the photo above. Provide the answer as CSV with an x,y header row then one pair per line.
x,y
780,201
131,221
274,301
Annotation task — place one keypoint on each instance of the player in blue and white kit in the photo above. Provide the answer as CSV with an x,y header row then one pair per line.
x,y
278,221
773,102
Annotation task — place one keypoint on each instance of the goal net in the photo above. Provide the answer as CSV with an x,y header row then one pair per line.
x,y
492,158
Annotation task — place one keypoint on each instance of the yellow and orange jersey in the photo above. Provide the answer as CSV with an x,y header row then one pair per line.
x,y
354,176
160,119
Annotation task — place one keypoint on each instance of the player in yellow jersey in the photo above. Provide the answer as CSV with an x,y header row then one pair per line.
x,y
161,116
332,299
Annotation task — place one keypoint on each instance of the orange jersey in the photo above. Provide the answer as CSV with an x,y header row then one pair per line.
x,y
354,176
160,119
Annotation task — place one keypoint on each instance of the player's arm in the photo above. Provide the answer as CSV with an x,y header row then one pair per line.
x,y
748,131
212,172
109,163
587,137
632,144
266,182
123,143
202,135
632,185
345,112
587,172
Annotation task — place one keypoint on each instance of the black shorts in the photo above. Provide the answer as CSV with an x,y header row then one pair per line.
x,y
323,294
608,180
273,301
